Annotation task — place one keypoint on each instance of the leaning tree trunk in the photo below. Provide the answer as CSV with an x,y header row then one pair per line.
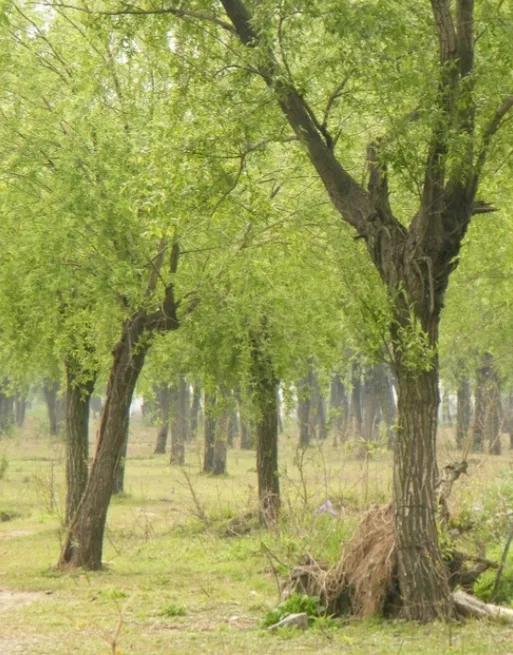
x,y
79,388
265,388
118,486
84,541
164,402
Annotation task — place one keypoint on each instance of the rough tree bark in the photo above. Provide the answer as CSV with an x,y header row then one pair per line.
x,y
79,388
83,544
414,263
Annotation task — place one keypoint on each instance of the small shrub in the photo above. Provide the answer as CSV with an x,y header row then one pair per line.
x,y
173,610
484,586
295,604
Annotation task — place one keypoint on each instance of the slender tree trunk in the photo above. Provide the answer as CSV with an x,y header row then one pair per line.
x,y
164,403
370,405
265,386
487,415
339,408
387,402
195,410
7,417
20,407
179,419
79,388
84,541
51,390
209,432
220,449
356,401
463,412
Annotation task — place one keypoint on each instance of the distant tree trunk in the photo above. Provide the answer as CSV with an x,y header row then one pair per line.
x,y
195,410
507,424
487,416
51,390
163,397
463,412
20,407
356,400
7,417
209,432
303,415
247,441
339,409
179,420
265,386
370,405
79,388
320,411
387,402
232,421
220,445
279,408
446,408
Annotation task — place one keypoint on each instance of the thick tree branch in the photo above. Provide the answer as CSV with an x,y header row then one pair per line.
x,y
349,198
130,10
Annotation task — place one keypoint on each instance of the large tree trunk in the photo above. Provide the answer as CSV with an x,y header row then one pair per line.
x,y
118,486
463,412
265,387
414,262
422,576
84,541
164,403
79,388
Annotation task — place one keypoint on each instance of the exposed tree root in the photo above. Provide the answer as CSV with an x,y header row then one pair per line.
x,y
365,581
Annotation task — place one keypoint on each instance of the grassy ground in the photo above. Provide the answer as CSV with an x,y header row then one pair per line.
x,y
174,581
